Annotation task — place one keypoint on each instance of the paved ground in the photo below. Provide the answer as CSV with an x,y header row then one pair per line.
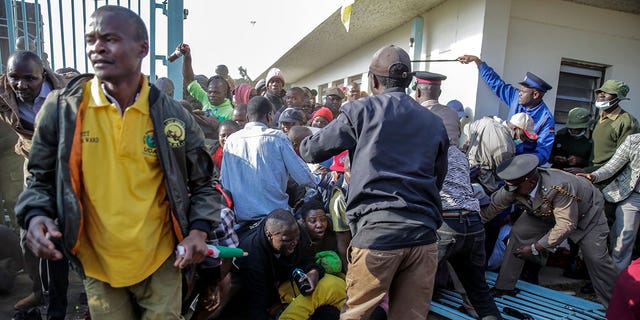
x,y
549,276
75,310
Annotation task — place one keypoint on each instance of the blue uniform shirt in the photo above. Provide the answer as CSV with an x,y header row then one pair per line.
x,y
542,117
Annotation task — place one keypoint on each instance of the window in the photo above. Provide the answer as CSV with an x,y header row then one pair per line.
x,y
576,83
357,79
321,90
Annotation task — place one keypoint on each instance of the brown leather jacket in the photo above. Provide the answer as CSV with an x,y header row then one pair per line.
x,y
10,115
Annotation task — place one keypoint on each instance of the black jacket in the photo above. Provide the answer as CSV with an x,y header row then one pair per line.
x,y
262,271
398,152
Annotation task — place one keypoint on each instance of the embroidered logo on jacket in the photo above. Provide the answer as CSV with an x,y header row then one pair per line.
x,y
149,144
175,132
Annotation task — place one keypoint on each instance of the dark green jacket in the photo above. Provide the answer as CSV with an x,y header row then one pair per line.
x,y
55,165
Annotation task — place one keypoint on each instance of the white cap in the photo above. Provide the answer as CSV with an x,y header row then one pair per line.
x,y
525,122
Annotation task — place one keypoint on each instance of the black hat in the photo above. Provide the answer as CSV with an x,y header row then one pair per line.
x,y
291,115
533,81
387,57
517,167
335,91
429,77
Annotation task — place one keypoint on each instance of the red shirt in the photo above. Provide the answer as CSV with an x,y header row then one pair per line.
x,y
217,158
625,301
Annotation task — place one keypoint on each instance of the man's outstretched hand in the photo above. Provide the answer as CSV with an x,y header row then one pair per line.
x,y
467,58
41,230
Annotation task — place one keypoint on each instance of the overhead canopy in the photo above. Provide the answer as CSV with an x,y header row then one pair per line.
x,y
370,19
330,41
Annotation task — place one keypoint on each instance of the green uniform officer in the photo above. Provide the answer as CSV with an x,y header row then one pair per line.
x,y
557,205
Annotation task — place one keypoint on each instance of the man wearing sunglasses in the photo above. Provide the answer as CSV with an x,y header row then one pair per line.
x,y
556,205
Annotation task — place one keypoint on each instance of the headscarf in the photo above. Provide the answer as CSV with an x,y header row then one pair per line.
x,y
243,91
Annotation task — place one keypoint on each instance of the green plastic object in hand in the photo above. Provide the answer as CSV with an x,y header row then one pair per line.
x,y
225,252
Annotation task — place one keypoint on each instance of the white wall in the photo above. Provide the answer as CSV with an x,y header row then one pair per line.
x,y
543,32
450,30
513,37
358,60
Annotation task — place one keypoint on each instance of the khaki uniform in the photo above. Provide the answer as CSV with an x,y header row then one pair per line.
x,y
564,206
449,119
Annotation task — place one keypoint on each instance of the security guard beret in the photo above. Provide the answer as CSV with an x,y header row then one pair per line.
x,y
517,167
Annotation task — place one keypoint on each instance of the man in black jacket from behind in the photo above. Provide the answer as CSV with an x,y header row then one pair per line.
x,y
398,152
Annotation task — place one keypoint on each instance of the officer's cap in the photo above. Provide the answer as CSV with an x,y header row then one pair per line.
x,y
533,81
517,167
429,77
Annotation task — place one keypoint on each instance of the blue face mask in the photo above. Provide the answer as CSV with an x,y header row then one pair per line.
x,y
517,142
579,134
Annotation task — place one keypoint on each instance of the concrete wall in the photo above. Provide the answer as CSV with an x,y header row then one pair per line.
x,y
444,38
513,37
543,32
452,29
357,61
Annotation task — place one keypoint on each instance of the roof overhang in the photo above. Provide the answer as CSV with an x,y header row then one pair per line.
x,y
330,41
628,6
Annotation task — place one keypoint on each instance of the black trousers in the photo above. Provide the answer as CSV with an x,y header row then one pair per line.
x,y
461,243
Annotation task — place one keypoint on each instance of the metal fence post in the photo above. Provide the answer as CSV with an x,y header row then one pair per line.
x,y
25,27
8,5
175,27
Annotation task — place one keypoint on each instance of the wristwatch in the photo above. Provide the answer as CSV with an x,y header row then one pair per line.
x,y
533,250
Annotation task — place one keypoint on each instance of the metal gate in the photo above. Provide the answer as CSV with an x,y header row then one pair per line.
x,y
55,31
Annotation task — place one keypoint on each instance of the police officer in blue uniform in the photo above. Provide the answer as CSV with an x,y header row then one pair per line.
x,y
528,98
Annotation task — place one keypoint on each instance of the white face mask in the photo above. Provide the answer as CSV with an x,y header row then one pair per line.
x,y
604,105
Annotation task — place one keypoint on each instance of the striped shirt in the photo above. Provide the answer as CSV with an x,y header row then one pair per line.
x,y
457,192
625,165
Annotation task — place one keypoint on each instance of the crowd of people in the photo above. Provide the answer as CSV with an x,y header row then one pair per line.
x,y
359,206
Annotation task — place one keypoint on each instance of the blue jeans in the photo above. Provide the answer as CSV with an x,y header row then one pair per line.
x,y
461,243
625,228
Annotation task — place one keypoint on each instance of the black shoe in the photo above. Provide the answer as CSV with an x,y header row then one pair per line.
x,y
31,314
517,314
495,292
